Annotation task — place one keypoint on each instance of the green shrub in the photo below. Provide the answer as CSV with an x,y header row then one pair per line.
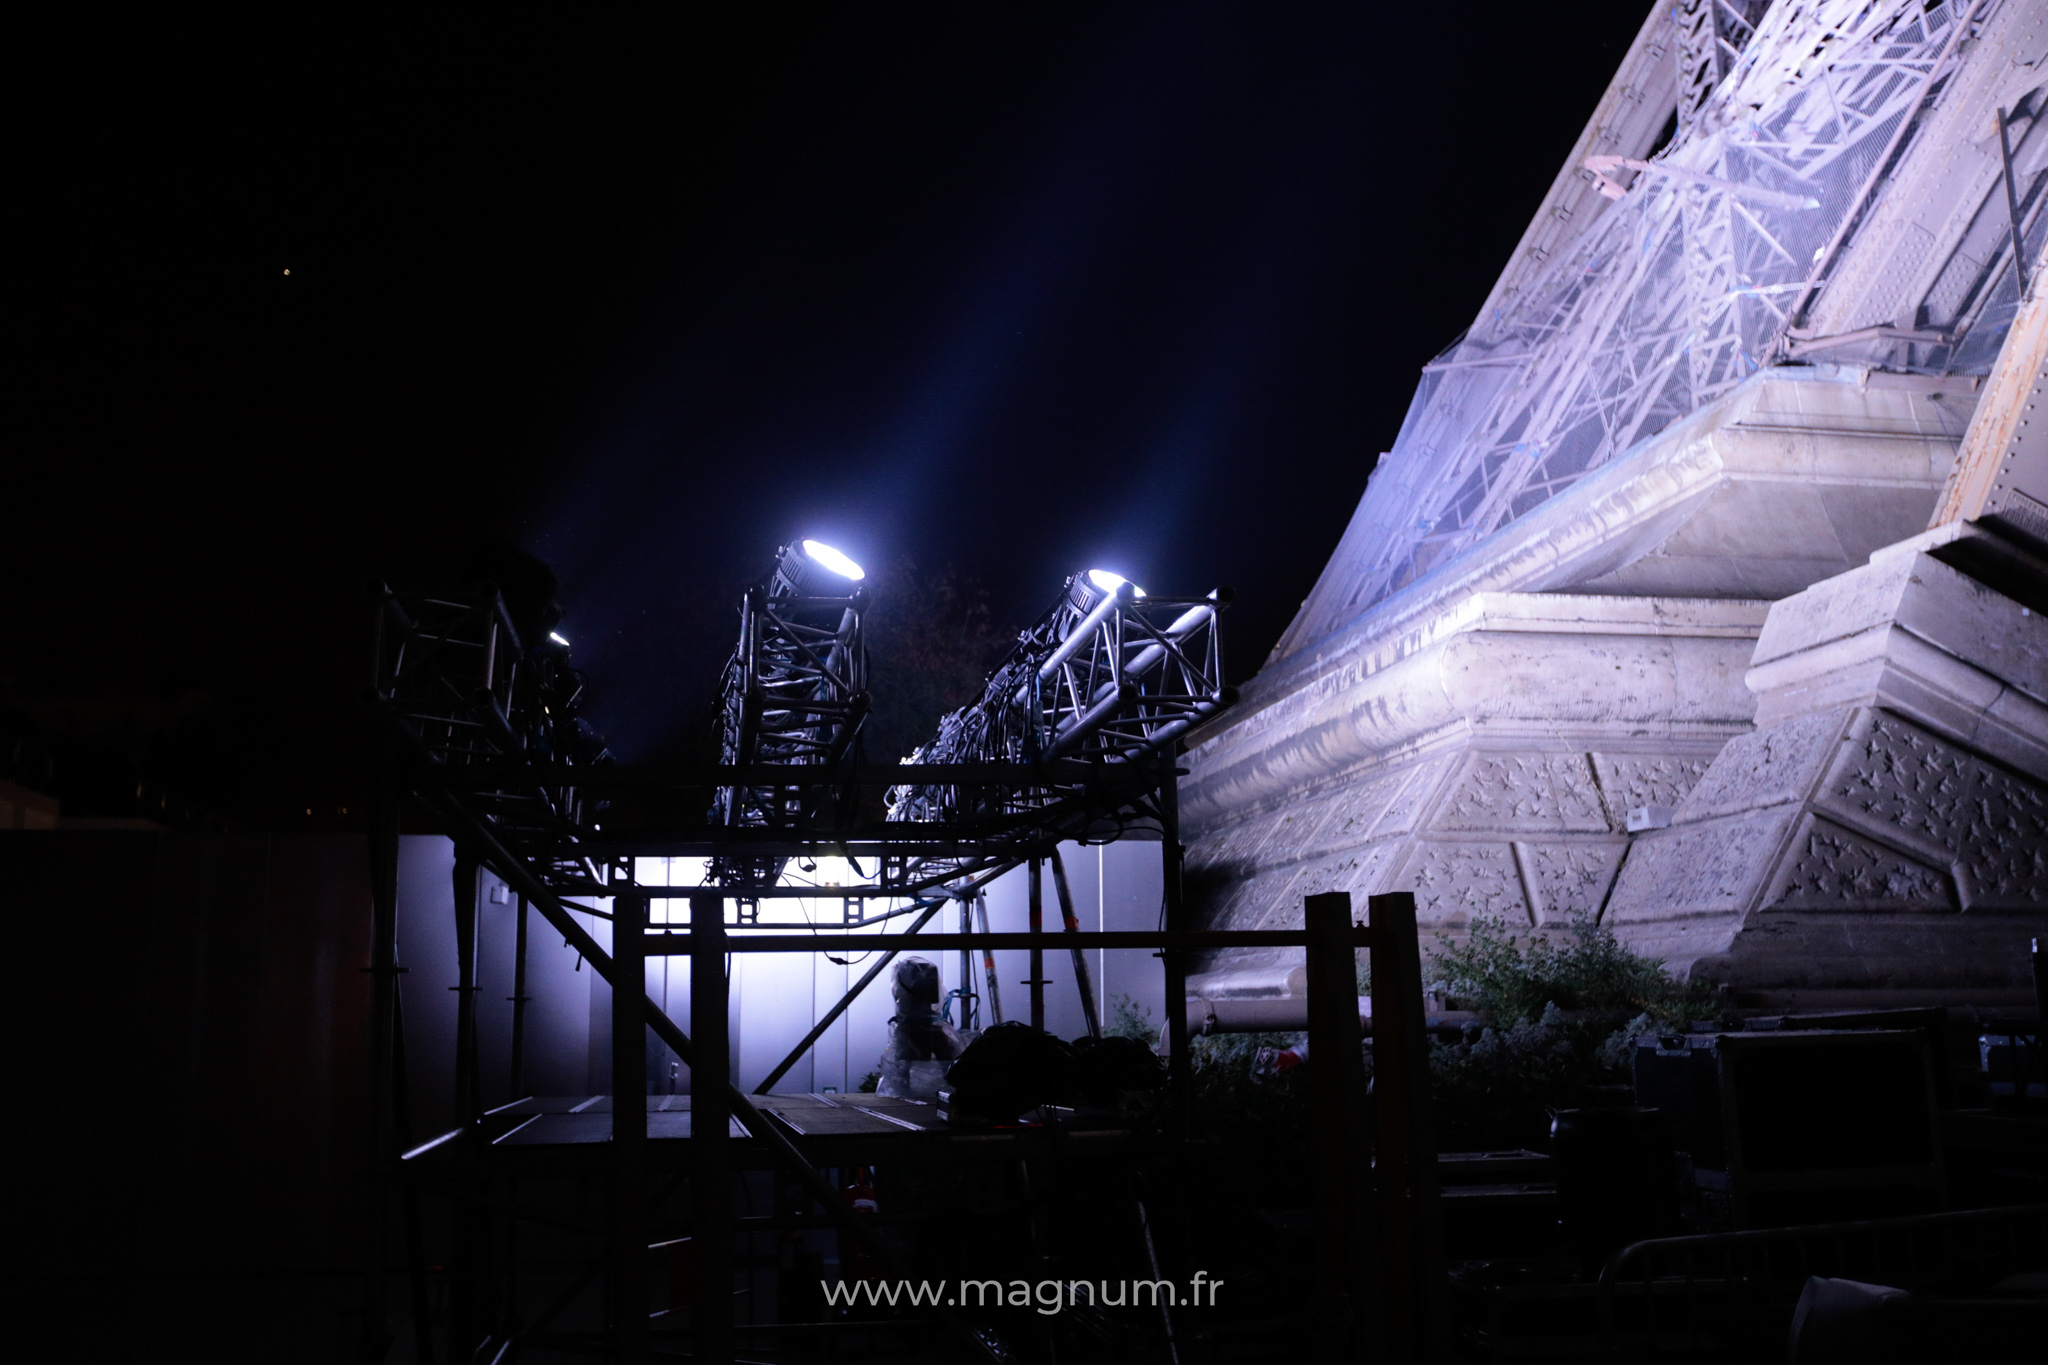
x,y
1129,1019
1558,1014
1506,977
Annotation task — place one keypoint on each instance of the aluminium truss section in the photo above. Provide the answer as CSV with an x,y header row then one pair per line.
x,y
462,690
1107,676
795,693
1703,268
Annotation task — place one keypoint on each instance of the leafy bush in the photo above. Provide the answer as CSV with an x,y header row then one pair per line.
x,y
1557,1015
1129,1019
1506,977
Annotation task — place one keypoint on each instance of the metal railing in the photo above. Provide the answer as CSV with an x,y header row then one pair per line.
x,y
1729,1296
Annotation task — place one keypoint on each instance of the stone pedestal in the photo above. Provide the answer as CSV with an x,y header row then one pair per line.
x,y
1480,738
1882,837
1491,770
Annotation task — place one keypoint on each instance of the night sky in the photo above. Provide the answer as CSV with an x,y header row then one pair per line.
x,y
1011,290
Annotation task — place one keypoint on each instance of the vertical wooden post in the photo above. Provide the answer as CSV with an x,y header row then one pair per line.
x,y
629,1130
1337,1104
710,1133
1413,1291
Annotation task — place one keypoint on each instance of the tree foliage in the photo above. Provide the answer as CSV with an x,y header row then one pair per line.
x,y
932,641
1558,1014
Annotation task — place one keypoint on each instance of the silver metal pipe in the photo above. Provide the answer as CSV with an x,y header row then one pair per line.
x,y
1088,722
1079,635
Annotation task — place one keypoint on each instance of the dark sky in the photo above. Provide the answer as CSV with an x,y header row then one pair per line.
x,y
1013,289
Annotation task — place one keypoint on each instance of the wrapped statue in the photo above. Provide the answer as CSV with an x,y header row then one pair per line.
x,y
922,1043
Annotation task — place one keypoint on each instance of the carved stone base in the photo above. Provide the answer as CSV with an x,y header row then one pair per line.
x,y
1884,833
1496,763
1480,736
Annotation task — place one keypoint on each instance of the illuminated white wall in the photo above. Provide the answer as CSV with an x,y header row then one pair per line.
x,y
775,997
558,1012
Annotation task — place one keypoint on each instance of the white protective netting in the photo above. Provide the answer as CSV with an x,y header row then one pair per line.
x,y
1690,283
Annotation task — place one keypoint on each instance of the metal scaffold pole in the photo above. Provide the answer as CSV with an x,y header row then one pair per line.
x,y
1036,894
1080,956
629,1134
383,855
1173,910
710,1134
517,1081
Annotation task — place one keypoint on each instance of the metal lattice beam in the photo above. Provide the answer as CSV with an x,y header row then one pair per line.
x,y
1702,269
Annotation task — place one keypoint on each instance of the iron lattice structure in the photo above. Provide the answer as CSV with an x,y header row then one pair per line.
x,y
1753,237
1106,676
795,693
466,692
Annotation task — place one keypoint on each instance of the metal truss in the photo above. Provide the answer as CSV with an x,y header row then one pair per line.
x,y
1076,734
1705,268
490,744
469,696
1107,677
794,694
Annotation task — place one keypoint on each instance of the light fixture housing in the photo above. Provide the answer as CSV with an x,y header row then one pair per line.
x,y
825,557
1110,582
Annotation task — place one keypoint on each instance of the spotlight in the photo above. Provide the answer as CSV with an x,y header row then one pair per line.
x,y
1110,582
557,638
827,557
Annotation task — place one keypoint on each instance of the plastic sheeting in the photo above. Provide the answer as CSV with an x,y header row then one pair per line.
x,y
1691,282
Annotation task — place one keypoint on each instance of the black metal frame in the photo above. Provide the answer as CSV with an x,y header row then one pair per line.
x,y
1730,1295
479,734
795,693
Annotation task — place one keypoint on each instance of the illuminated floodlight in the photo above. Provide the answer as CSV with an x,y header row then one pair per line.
x,y
557,638
1110,582
821,553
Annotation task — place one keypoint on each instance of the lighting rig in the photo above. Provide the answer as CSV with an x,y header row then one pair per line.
x,y
1106,680
794,694
1074,737
469,696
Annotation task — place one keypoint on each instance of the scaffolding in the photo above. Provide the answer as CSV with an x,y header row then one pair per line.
x,y
1766,228
476,725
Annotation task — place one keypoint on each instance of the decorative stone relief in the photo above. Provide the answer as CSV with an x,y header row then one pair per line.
x,y
1767,768
1900,781
1833,868
1630,780
1323,875
1524,792
1238,844
1569,879
1349,815
1205,849
1269,903
1418,786
1224,905
1376,867
1708,868
1285,833
1355,872
1455,884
